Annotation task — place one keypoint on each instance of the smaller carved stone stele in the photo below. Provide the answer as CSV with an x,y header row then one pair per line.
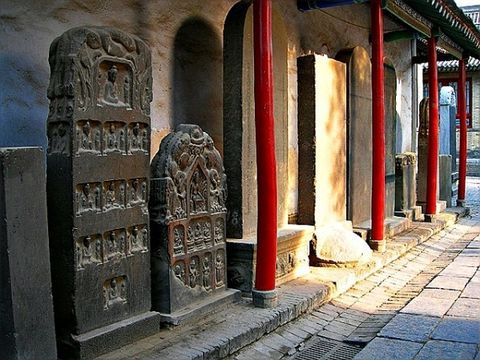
x,y
187,209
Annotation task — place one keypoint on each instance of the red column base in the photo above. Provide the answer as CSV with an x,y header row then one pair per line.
x,y
378,245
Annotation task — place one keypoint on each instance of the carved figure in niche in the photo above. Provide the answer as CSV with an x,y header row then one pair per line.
x,y
110,91
110,195
121,140
181,186
215,191
86,200
194,273
127,85
190,239
145,238
98,250
97,139
219,231
136,239
87,250
135,140
58,140
207,234
134,191
144,191
178,234
111,246
206,272
86,136
197,198
179,271
198,236
145,140
121,243
97,197
111,138
114,291
121,194
219,268
69,109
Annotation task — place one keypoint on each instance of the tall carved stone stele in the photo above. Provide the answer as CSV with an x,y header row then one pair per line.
x,y
98,178
187,207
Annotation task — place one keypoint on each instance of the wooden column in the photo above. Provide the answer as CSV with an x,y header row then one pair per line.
x,y
462,110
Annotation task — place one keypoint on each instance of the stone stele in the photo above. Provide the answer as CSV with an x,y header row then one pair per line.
x,y
98,156
187,206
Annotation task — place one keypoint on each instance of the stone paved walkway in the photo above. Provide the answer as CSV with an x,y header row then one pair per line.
x,y
424,305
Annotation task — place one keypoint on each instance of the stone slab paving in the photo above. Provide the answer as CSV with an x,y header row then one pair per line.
x,y
350,305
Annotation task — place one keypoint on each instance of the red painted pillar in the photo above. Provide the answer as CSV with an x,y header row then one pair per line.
x,y
264,294
378,128
433,120
462,109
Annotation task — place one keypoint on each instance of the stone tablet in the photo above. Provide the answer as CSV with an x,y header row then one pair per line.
x,y
27,328
98,180
187,207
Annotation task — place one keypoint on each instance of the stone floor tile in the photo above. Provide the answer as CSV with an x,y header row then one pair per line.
x,y
331,335
459,270
410,327
428,306
440,294
391,349
448,282
466,308
446,350
472,290
457,329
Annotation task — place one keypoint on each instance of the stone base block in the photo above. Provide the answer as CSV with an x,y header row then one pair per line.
x,y
441,206
363,233
395,225
378,245
197,310
265,299
404,214
461,203
417,213
108,338
292,257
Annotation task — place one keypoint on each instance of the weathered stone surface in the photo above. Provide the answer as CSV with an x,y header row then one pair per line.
x,y
337,245
389,349
98,182
466,308
359,130
26,309
292,257
445,178
448,282
457,329
410,327
187,206
436,349
322,139
390,84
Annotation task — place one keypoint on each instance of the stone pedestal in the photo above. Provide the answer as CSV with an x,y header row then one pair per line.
x,y
292,257
97,186
405,187
27,328
188,213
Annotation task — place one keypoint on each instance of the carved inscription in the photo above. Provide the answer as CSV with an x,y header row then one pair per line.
x,y
115,291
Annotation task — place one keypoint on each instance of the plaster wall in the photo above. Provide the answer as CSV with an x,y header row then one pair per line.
x,y
28,27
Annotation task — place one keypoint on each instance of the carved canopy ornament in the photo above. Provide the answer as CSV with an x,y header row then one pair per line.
x,y
192,174
101,66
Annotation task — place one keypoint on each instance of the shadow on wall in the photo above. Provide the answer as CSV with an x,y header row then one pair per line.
x,y
197,79
23,102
